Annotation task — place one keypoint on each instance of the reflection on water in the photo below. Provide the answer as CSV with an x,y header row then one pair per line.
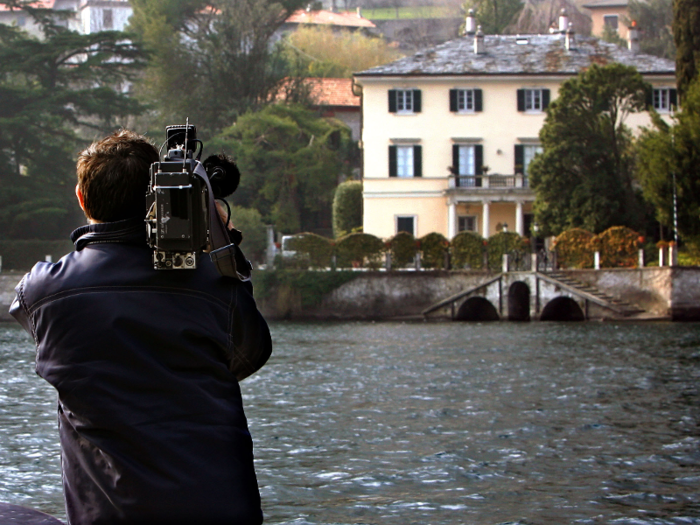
x,y
537,423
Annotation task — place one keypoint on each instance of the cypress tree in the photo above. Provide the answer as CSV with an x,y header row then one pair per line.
x,y
686,33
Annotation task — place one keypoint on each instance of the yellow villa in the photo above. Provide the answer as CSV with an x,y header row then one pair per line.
x,y
448,133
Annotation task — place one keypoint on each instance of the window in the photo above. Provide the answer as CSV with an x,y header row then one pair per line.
x,y
405,161
610,21
404,101
524,153
406,224
467,163
107,21
466,223
663,99
533,100
466,100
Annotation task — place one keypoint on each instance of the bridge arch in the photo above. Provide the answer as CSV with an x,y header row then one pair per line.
x,y
477,309
562,309
519,302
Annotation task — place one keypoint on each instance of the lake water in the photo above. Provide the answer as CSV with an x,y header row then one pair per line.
x,y
437,423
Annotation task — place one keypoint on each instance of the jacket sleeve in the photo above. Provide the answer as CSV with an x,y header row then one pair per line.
x,y
250,335
18,309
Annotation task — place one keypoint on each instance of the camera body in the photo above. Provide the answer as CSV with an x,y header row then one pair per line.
x,y
178,218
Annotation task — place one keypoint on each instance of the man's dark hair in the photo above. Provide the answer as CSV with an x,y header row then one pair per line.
x,y
113,176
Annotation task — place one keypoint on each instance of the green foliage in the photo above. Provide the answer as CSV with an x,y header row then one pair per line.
x,y
467,250
686,35
665,151
501,243
583,177
250,223
433,248
655,20
611,35
323,52
575,248
619,247
404,247
312,287
51,90
315,250
409,12
22,255
290,160
210,60
359,250
347,208
494,16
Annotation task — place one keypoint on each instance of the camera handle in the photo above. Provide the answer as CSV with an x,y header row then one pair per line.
x,y
226,256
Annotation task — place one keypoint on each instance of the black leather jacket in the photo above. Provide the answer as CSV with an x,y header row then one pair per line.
x,y
146,364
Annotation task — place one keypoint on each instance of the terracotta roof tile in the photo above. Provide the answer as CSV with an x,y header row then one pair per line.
x,y
333,92
44,4
347,19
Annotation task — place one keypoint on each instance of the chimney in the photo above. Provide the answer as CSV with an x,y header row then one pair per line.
x,y
569,37
479,41
470,26
563,21
359,12
633,37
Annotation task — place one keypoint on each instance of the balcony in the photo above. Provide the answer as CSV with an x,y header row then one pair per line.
x,y
487,182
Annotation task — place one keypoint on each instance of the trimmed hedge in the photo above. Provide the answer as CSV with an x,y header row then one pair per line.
x,y
502,242
347,208
467,250
619,247
359,250
575,248
312,250
433,247
22,255
403,248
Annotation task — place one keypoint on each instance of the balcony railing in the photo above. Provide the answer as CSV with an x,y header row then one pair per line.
x,y
478,182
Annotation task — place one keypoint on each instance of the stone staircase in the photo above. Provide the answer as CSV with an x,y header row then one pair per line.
x,y
592,293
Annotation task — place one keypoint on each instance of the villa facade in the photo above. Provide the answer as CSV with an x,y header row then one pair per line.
x,y
448,133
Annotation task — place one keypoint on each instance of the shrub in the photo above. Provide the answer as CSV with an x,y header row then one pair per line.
x,y
403,248
359,249
347,208
249,222
618,247
502,242
575,248
433,246
312,250
467,250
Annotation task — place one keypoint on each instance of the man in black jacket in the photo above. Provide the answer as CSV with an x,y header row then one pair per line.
x,y
146,363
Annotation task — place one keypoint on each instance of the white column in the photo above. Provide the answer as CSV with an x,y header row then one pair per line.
x,y
451,220
519,218
485,219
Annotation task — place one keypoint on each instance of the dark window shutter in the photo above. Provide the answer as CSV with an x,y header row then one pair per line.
x,y
521,100
478,159
455,158
478,98
673,97
392,101
545,98
416,101
392,161
519,159
650,98
453,100
417,161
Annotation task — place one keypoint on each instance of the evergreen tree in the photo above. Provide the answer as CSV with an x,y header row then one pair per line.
x,y
50,90
583,177
494,16
210,60
669,157
686,33
290,161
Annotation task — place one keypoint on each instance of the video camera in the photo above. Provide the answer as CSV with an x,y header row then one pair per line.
x,y
182,219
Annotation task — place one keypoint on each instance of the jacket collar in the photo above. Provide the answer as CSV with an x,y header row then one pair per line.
x,y
130,231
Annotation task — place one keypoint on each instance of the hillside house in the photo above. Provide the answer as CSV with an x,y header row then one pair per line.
x,y
448,133
610,13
